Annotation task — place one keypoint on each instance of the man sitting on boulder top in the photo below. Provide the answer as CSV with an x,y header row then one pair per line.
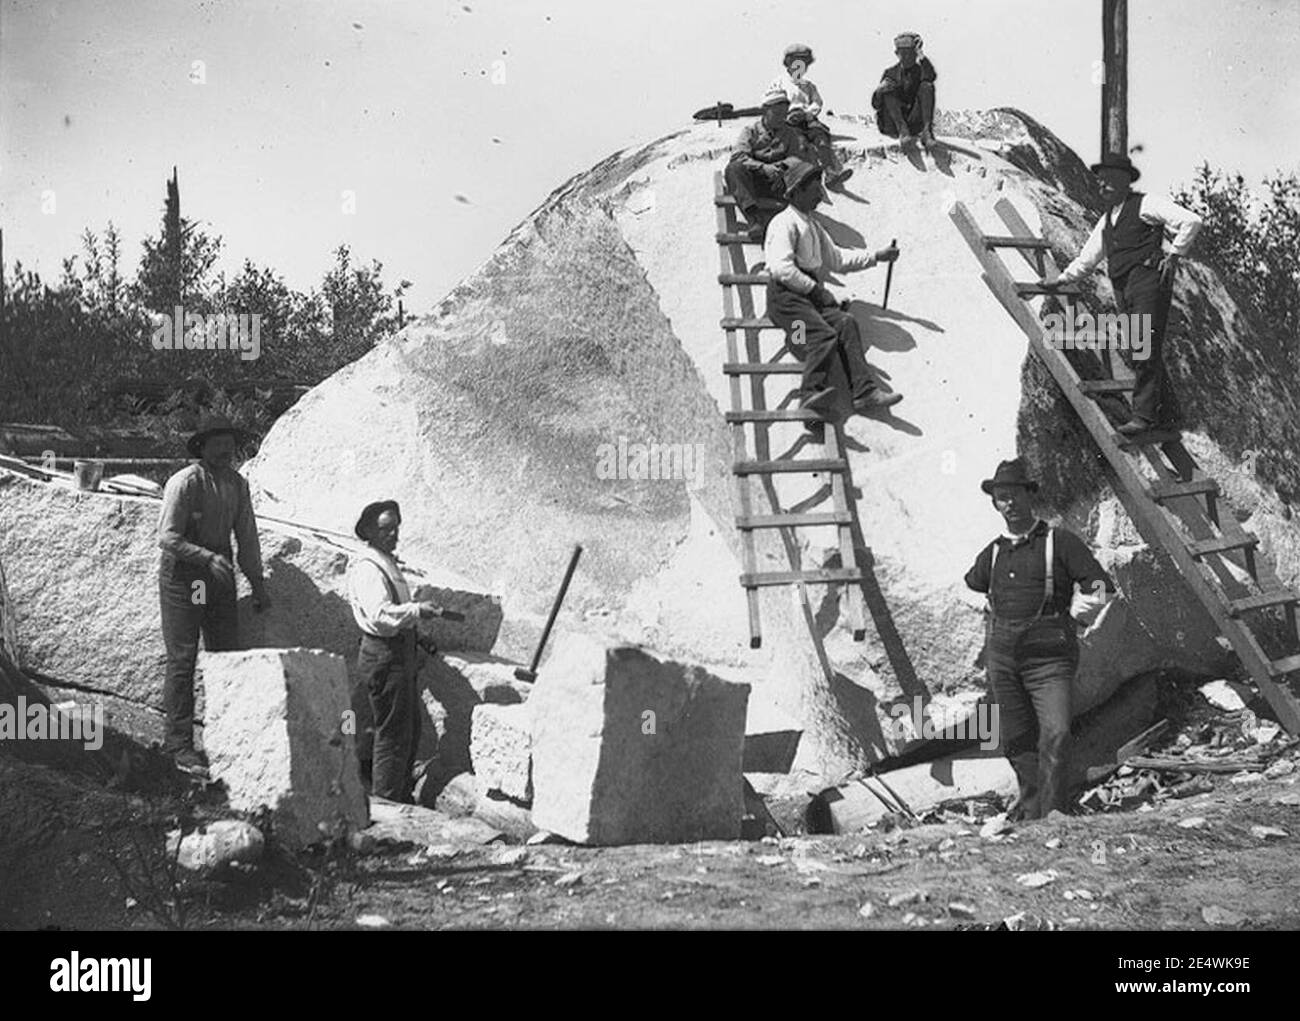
x,y
798,252
759,160
805,108
386,661
904,99
1041,582
1130,237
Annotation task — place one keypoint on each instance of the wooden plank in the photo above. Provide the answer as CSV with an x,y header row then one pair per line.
x,y
1282,667
730,237
762,368
774,415
1220,544
1150,438
827,576
748,323
779,467
763,203
1105,386
1014,241
1264,601
738,279
1151,521
1161,491
794,520
1031,288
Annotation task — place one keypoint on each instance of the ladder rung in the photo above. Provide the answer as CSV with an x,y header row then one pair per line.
x,y
1282,597
1161,491
762,368
730,200
775,415
790,577
1204,547
1029,288
1105,386
729,238
748,323
814,464
1153,437
727,279
795,520
1010,241
1279,667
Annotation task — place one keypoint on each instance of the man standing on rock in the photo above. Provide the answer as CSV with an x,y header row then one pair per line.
x,y
1031,652
798,252
383,609
755,173
201,506
1130,237
904,99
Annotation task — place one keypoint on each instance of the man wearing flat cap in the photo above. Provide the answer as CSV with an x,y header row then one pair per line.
x,y
799,253
755,173
202,505
386,660
1130,237
904,99
805,111
1041,582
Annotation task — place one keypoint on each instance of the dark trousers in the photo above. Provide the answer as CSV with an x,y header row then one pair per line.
x,y
387,676
818,137
918,116
1031,666
749,187
831,346
189,608
1142,292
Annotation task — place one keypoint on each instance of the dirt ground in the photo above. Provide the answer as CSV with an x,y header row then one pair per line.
x,y
91,858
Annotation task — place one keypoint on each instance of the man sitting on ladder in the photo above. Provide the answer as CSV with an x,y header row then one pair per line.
x,y
756,171
1130,237
798,251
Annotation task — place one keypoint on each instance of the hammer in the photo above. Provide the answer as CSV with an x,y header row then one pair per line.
x,y
530,674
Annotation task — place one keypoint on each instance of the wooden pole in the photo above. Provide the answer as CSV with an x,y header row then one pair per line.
x,y
1114,86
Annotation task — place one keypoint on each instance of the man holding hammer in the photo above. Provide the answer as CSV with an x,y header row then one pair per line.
x,y
799,253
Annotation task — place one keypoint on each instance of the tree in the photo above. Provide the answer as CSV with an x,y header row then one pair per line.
x,y
176,267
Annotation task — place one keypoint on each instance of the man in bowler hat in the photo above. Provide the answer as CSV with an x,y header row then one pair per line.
x,y
1041,582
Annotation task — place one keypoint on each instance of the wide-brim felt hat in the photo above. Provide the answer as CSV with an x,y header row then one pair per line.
x,y
213,425
1114,161
371,514
1010,473
797,172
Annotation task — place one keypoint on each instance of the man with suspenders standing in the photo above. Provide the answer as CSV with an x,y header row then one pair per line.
x,y
1031,574
382,606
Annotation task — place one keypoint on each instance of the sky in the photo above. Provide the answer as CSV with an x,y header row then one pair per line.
x,y
420,132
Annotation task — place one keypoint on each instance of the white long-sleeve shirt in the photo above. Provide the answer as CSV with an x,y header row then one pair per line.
x,y
1182,223
797,249
380,596
803,94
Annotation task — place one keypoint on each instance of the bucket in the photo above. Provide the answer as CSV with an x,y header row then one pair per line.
x,y
87,474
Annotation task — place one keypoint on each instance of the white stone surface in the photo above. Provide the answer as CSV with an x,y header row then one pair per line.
x,y
500,748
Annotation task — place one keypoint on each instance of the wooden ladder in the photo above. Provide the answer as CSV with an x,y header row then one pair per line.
x,y
1175,505
738,283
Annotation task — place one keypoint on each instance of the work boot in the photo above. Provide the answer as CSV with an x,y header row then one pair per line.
x,y
905,138
877,400
1136,425
927,138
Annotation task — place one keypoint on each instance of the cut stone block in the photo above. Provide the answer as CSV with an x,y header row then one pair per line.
x,y
500,749
275,736
414,824
468,795
451,685
629,748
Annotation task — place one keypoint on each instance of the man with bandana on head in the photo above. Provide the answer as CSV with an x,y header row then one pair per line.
x,y
904,99
805,108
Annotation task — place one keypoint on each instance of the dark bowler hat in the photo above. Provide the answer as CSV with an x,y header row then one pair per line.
x,y
214,425
1010,473
1116,161
371,514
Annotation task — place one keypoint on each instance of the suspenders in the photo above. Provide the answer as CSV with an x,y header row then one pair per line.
x,y
1049,579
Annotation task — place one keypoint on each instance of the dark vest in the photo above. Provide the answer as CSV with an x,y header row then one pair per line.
x,y
1131,242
